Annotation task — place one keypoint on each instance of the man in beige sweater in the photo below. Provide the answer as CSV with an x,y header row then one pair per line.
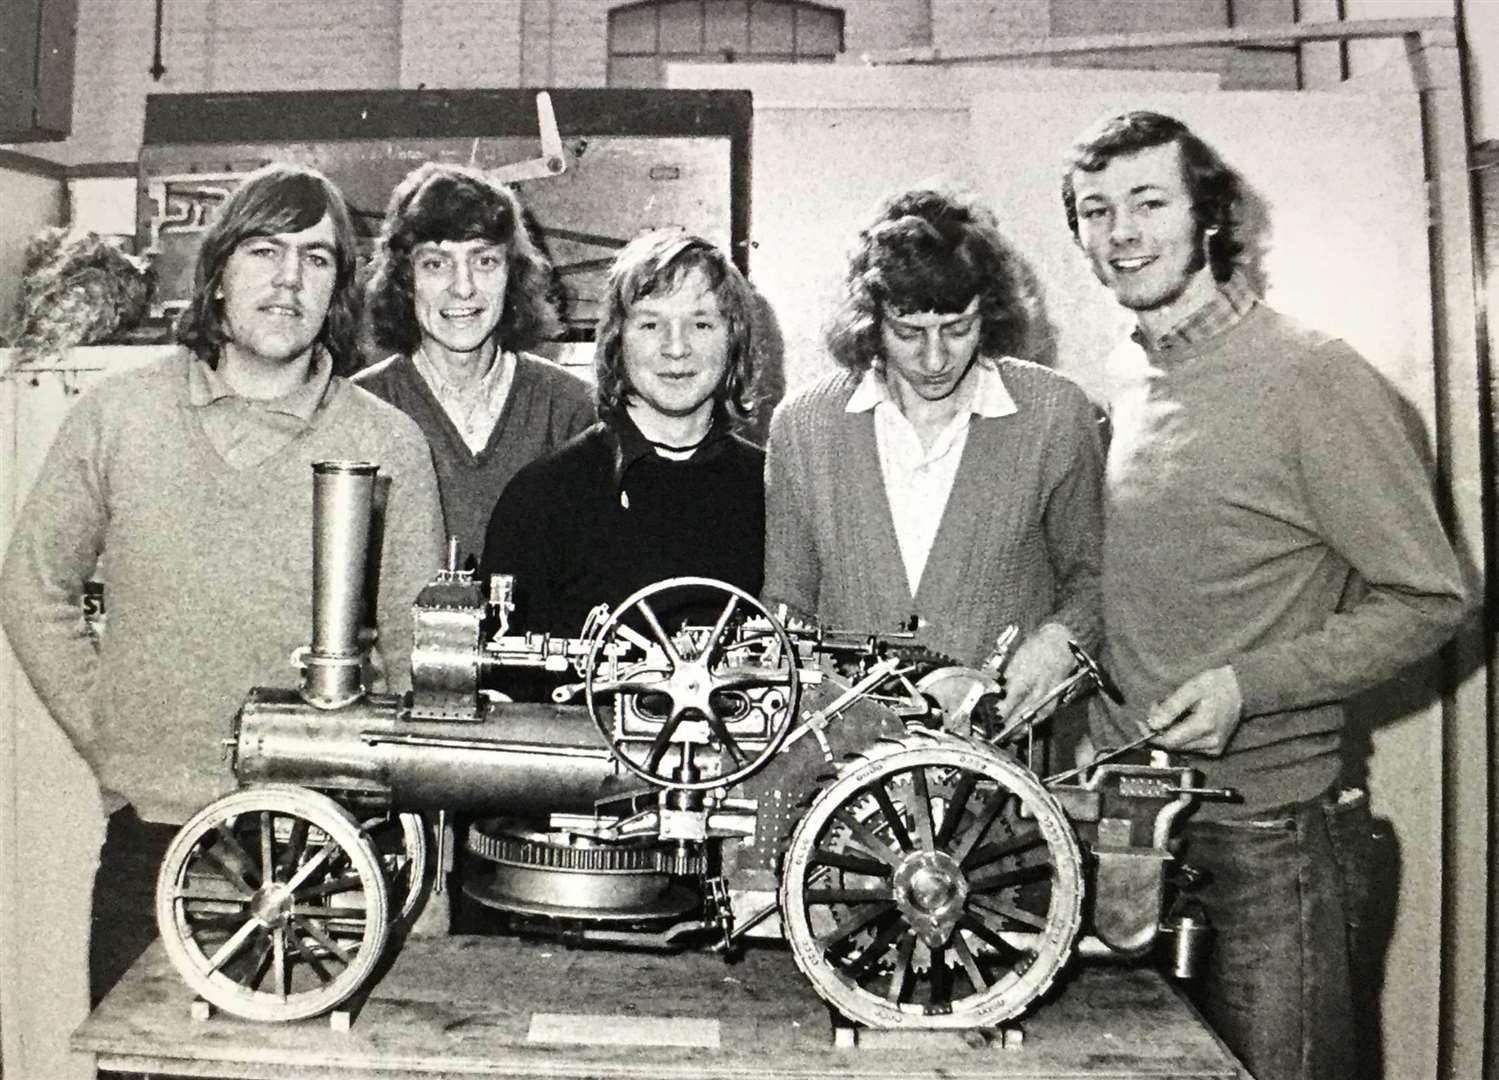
x,y
190,482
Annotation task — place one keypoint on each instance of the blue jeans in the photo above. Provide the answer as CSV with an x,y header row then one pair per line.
x,y
1285,894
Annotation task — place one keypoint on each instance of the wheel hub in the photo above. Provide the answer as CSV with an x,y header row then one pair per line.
x,y
271,905
930,889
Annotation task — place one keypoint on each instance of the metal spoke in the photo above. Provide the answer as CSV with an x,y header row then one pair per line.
x,y
1006,910
295,943
236,942
719,627
921,809
230,859
662,742
891,815
322,937
872,844
331,887
955,807
850,896
267,848
970,966
749,680
291,851
642,682
941,979
278,960
662,637
877,948
1004,878
721,731
902,968
1023,840
983,820
859,918
975,926
837,860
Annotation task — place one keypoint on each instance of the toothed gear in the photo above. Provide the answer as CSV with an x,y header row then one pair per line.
x,y
511,843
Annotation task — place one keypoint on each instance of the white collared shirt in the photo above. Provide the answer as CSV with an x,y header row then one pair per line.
x,y
918,480
473,412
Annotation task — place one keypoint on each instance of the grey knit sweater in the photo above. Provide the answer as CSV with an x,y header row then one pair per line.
x,y
1018,543
208,574
1267,509
546,406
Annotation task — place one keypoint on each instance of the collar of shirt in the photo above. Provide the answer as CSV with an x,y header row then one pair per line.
x,y
1232,302
984,390
473,412
629,446
206,385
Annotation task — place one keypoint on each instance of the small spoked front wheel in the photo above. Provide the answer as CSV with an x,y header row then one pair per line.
x,y
273,904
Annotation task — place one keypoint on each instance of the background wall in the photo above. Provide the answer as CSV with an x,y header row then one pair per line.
x,y
216,45
32,197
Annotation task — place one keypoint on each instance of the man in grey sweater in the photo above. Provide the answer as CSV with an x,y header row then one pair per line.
x,y
935,480
187,485
1271,547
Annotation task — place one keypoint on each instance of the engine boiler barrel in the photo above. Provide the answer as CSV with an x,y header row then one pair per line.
x,y
521,759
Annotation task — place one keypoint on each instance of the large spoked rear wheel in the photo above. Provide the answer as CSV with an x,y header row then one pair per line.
x,y
273,903
934,884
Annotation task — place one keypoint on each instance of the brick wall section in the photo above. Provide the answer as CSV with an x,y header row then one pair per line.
x,y
966,22
579,47
212,45
875,25
536,44
461,43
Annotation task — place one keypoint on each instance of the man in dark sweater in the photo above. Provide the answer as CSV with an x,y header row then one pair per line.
x,y
458,292
1271,547
661,486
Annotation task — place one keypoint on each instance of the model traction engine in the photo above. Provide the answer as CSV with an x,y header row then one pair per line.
x,y
736,778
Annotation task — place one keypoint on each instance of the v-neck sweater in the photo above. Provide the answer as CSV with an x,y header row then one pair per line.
x,y
1019,541
207,571
546,407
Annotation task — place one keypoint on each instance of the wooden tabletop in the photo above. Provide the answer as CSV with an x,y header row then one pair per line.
x,y
499,1007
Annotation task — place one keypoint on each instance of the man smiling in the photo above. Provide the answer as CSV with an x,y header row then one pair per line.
x,y
1271,548
661,486
936,481
187,485
459,291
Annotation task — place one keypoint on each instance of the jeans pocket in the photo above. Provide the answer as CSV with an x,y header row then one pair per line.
x,y
1350,828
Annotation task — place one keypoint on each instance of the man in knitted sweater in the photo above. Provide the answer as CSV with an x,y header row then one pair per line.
x,y
459,290
934,480
661,486
188,486
1271,548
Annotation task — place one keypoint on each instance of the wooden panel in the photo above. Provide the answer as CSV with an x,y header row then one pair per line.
x,y
499,1007
36,69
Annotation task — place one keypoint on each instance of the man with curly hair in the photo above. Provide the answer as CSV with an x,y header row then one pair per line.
x,y
187,487
458,292
662,485
935,481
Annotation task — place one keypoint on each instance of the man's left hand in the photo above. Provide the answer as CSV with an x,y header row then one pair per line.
x,y
1201,714
1042,660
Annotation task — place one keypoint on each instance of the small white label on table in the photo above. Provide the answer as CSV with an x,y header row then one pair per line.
x,y
590,1029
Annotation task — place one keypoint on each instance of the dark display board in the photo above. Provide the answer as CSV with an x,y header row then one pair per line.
x,y
635,159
